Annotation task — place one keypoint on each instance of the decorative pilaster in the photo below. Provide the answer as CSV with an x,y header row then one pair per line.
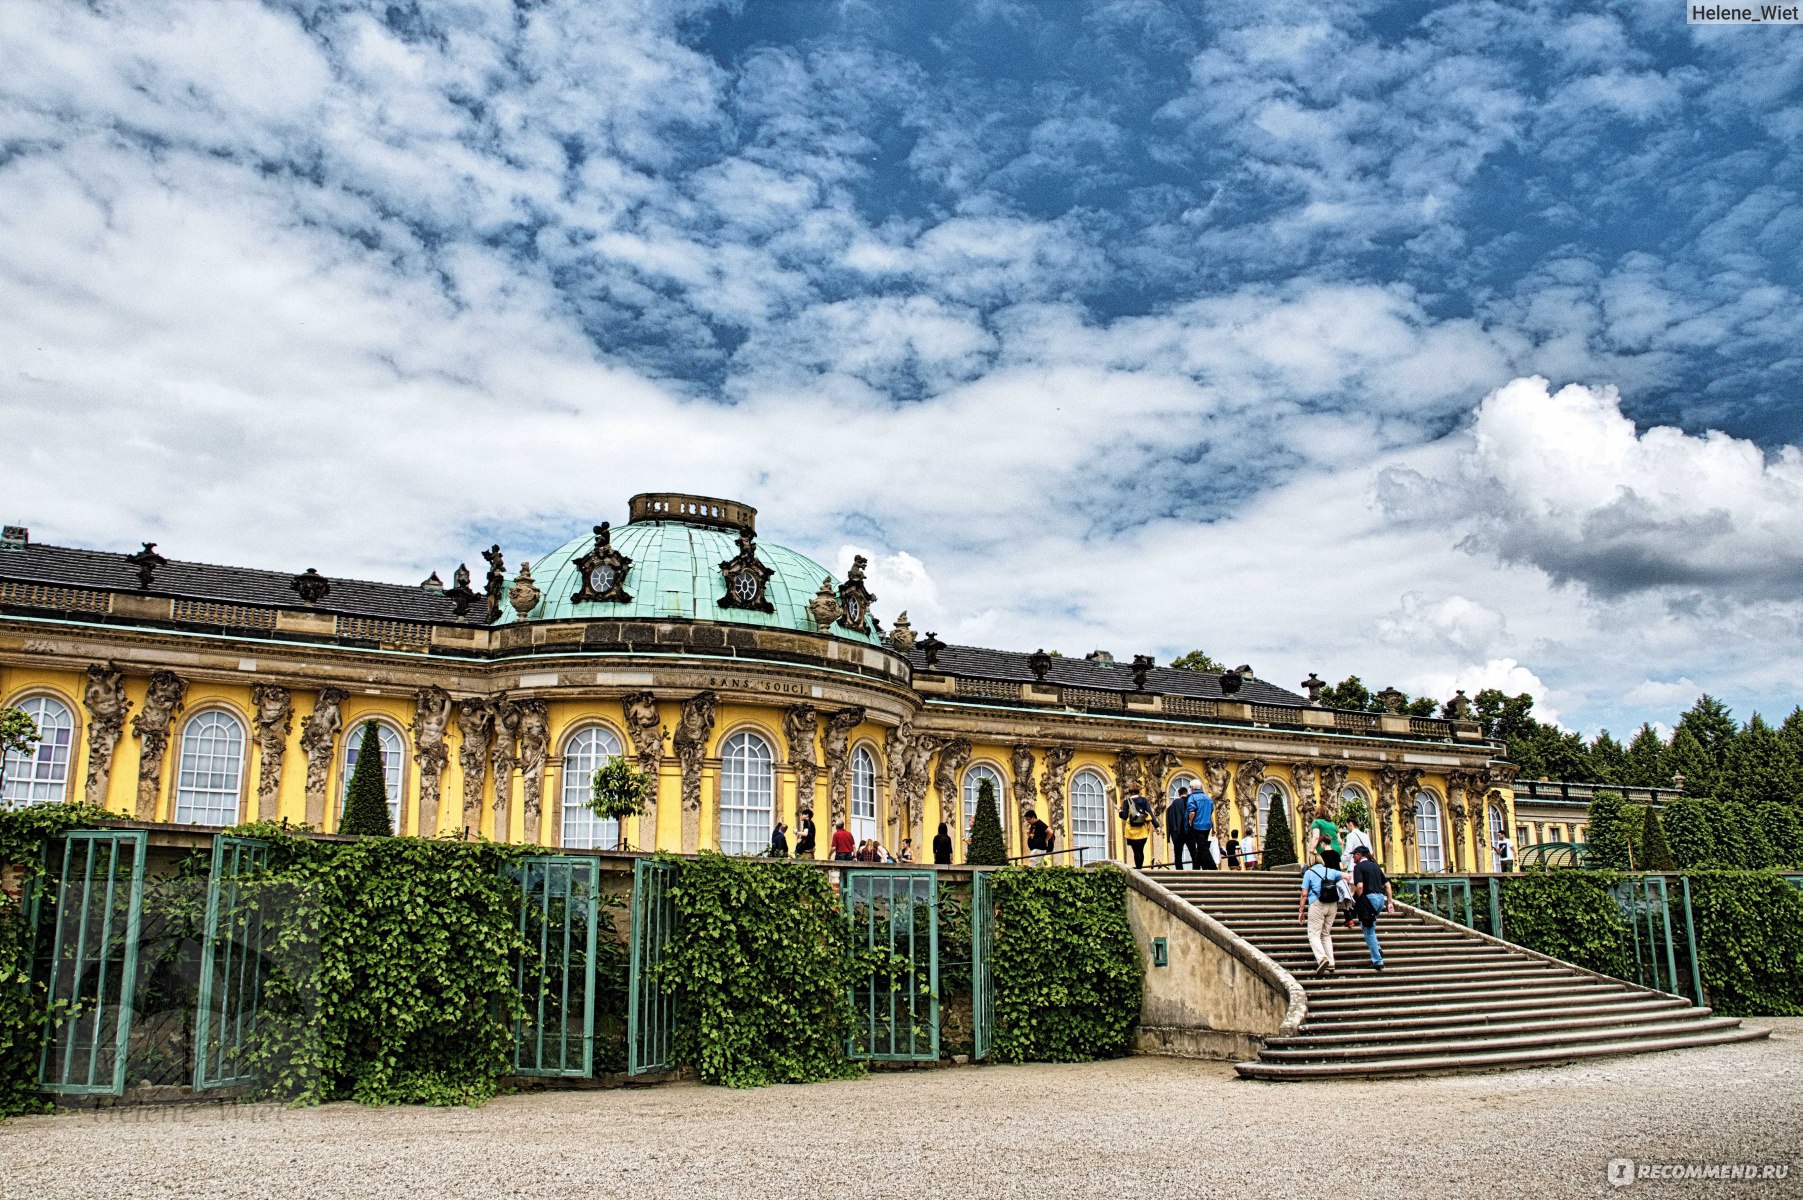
x,y
1057,770
476,725
151,728
692,731
534,752
1246,782
319,735
502,758
275,717
645,728
431,719
1026,786
954,753
104,698
801,731
837,740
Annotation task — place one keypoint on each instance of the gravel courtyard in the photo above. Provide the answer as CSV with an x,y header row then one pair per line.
x,y
1138,1126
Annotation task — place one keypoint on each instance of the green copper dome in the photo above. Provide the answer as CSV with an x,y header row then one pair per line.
x,y
675,575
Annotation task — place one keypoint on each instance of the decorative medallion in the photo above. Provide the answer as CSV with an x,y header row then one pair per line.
x,y
746,577
854,598
603,571
311,586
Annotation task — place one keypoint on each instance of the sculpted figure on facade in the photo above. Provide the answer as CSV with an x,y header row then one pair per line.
x,y
1057,767
838,757
1216,777
1308,796
1159,768
275,718
431,718
319,734
1458,805
476,724
645,728
1407,784
104,698
1026,787
917,777
1333,782
501,761
151,728
1386,779
534,728
954,753
801,729
1246,782
1128,773
693,728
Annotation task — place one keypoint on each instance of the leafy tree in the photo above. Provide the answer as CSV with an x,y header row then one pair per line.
x,y
619,791
1420,706
1782,832
1761,767
1608,760
1280,843
1713,727
1198,660
1607,842
366,800
1688,759
1655,854
1792,733
1645,762
1506,718
1690,832
1356,809
987,849
1350,694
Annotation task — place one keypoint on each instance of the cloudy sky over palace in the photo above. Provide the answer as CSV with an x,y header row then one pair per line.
x,y
1451,345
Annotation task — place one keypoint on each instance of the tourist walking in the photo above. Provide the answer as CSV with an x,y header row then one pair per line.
x,y
1200,812
1233,850
942,846
1039,834
1505,854
804,834
1319,905
906,853
1324,835
779,841
844,845
1249,851
1136,811
1176,826
1352,839
1371,898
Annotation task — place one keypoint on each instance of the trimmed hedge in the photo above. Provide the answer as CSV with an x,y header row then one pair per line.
x,y
1068,976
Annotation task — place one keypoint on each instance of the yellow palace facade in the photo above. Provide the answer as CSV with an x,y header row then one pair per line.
x,y
746,679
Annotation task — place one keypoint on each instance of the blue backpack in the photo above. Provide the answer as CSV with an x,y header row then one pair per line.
x,y
1201,812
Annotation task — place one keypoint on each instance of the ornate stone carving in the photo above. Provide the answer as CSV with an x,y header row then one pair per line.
x,y
1407,783
1216,777
692,731
824,607
910,755
459,592
319,734
311,586
147,561
1128,774
534,750
151,728
1026,786
1040,663
1231,681
854,598
1057,769
1246,782
801,730
954,753
431,719
645,728
104,698
1142,666
476,725
746,577
1386,779
496,582
838,757
1159,768
502,758
930,649
1333,781
603,571
524,593
902,636
275,718
1314,686
1459,707
1392,700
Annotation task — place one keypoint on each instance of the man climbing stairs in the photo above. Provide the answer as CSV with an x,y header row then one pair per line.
x,y
1448,999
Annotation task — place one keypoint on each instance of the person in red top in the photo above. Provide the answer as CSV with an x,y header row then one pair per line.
x,y
843,843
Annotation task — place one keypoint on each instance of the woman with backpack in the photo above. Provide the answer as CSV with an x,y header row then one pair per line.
x,y
1136,811
1319,907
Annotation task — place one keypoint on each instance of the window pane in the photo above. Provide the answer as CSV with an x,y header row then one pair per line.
x,y
41,775
394,757
583,755
1427,832
863,794
1089,814
747,794
973,782
210,770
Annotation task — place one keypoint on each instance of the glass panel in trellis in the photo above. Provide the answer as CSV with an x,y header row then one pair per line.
x,y
1443,897
895,1009
650,1006
982,964
1645,903
559,919
231,965
90,906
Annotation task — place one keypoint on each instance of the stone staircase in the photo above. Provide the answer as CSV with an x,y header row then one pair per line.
x,y
1448,999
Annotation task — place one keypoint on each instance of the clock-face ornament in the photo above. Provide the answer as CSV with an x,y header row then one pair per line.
x,y
854,598
746,577
603,578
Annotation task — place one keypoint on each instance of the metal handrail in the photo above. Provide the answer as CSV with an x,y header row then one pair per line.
x,y
1079,851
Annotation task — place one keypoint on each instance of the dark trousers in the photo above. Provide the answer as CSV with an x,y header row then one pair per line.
x,y
1138,846
1201,850
1178,842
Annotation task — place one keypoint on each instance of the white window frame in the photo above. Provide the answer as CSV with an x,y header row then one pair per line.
x,y
1182,779
41,775
747,793
1499,828
584,751
1427,818
973,775
209,775
1266,790
394,765
1089,812
863,793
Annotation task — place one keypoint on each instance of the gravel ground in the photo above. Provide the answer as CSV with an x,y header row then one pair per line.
x,y
1164,1126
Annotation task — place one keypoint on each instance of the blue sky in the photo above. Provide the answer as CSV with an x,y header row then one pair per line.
x,y
1453,345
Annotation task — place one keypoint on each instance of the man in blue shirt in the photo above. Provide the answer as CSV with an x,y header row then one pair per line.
x,y
1201,812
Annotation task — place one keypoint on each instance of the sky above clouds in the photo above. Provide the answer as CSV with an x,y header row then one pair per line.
x,y
1453,345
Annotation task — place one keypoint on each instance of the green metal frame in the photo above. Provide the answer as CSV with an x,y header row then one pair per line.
x,y
1496,917
1441,895
1690,938
982,964
890,1026
231,966
560,910
1646,902
1552,854
650,1006
82,968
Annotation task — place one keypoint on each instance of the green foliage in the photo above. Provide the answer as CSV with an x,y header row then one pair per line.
x,y
1352,695
1761,768
761,968
1644,765
1068,976
1709,723
1608,842
1569,915
1198,660
1749,928
620,790
987,849
1690,832
1737,840
1654,854
1279,849
17,732
366,799
1608,760
1782,833
1356,809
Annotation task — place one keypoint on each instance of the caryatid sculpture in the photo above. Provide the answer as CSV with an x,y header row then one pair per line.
x,y
801,732
1057,767
431,720
104,698
151,728
954,753
319,734
501,761
275,718
1246,782
534,733
644,727
693,728
1026,786
837,739
476,726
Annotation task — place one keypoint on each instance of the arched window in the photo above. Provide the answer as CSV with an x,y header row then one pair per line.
x,y
1351,793
863,794
1089,813
583,755
1499,830
1181,781
973,780
1270,792
747,794
41,775
1427,832
394,758
208,782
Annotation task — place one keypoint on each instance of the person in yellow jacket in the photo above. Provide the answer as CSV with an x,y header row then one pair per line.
x,y
1136,811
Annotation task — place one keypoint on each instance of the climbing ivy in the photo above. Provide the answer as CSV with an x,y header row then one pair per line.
x,y
1750,941
1068,976
1569,915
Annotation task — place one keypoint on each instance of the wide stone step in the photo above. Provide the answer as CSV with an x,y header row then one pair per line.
x,y
1429,996
1489,1061
1335,1011
1623,1005
1397,1033
1385,983
1487,1043
1399,957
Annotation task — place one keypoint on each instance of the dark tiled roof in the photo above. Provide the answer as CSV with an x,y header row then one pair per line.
x,y
974,662
107,571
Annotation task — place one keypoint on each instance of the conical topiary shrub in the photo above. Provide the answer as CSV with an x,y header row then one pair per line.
x,y
1688,832
1280,844
1607,843
987,849
1655,853
366,799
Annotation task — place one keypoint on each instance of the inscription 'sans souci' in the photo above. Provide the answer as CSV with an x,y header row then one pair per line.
x,y
747,683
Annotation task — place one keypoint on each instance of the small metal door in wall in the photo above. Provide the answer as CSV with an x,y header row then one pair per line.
x,y
231,965
650,1005
895,1009
89,905
560,905
982,964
